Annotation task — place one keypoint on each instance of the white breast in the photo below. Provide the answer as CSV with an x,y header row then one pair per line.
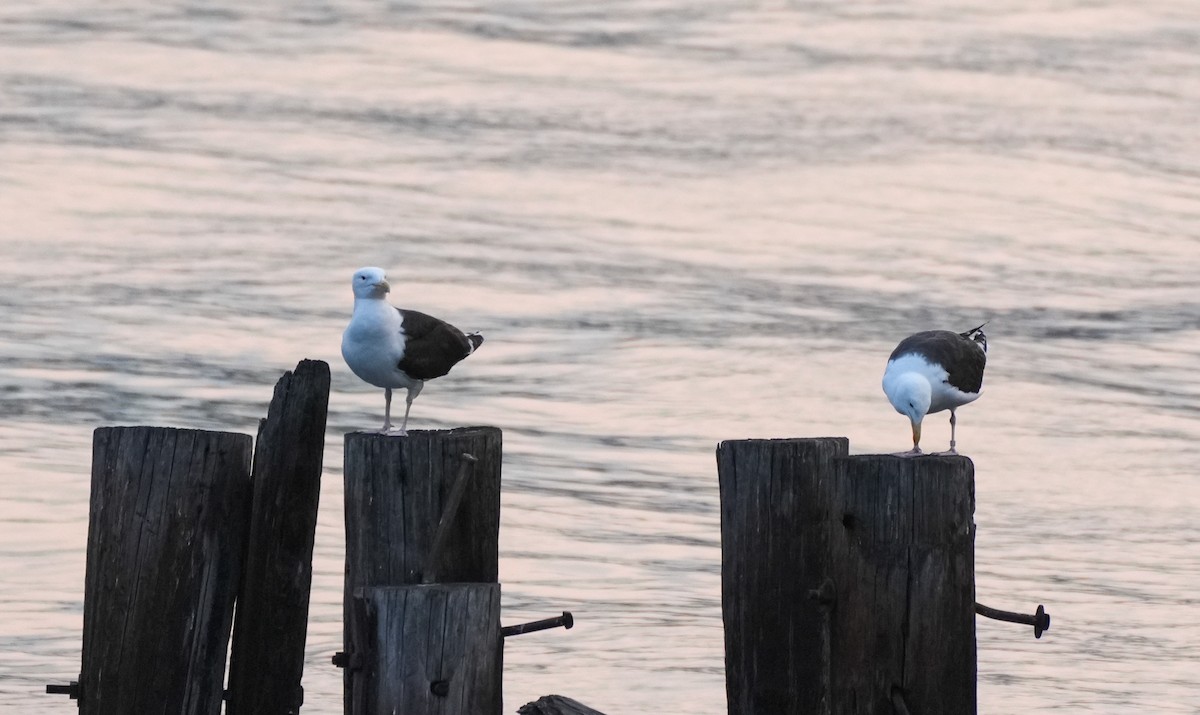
x,y
373,344
943,396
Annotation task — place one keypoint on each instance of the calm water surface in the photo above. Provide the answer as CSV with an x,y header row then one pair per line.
x,y
677,223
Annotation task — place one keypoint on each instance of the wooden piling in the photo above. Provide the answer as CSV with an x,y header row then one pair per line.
x,y
267,657
433,649
166,536
397,490
773,493
908,541
847,582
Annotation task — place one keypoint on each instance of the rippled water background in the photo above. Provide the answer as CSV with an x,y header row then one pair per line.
x,y
676,223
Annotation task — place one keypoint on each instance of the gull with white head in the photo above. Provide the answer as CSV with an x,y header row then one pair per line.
x,y
391,347
932,371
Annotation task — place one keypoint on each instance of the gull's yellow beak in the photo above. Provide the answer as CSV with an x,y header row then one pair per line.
x,y
387,287
916,434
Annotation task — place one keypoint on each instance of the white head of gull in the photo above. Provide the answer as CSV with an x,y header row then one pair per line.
x,y
932,371
391,347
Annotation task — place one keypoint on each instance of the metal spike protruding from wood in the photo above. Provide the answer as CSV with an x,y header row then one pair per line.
x,y
566,620
71,690
349,661
1040,620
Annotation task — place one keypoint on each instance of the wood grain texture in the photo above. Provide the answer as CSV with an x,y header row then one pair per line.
x,y
431,649
891,539
556,705
903,560
166,535
429,572
267,658
396,491
775,495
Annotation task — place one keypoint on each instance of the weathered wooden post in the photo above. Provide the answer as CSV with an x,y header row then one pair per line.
x,y
432,649
847,582
772,507
165,543
267,657
398,489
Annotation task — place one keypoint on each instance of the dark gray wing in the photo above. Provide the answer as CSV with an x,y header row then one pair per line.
x,y
432,346
961,357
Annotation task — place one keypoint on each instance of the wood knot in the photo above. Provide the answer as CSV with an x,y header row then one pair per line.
x,y
825,595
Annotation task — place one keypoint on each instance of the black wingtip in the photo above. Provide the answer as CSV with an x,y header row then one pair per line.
x,y
972,331
476,340
977,335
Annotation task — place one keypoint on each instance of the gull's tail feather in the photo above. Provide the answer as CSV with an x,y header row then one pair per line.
x,y
977,335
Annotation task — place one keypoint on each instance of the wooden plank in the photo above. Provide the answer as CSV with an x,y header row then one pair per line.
x,y
166,536
267,658
430,649
846,578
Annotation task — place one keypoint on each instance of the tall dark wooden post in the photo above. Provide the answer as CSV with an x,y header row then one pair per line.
x,y
397,489
774,502
431,649
906,551
847,582
267,658
165,543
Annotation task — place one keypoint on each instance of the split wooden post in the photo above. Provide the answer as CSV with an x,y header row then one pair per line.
x,y
432,649
433,557
267,658
847,582
397,490
166,536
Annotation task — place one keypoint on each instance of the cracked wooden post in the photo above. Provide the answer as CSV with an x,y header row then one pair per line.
x,y
433,649
166,535
397,490
846,581
267,658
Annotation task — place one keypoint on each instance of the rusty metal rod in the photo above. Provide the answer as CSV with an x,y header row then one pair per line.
x,y
1039,620
566,620
71,690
